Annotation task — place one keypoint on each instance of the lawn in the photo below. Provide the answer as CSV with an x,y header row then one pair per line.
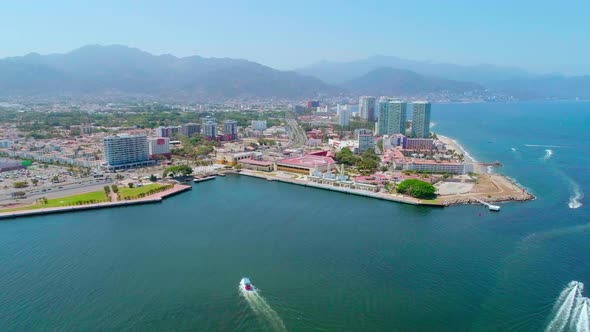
x,y
79,199
128,193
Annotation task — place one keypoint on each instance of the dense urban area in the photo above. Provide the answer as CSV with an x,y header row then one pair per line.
x,y
75,154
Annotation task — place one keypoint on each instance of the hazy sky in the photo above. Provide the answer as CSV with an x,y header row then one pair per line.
x,y
543,36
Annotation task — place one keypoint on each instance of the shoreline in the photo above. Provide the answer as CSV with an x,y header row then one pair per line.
x,y
381,196
502,183
155,198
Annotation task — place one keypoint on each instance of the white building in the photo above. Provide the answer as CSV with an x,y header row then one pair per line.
x,y
158,146
438,167
124,151
365,140
259,125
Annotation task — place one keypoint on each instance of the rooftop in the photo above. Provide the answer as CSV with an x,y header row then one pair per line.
x,y
309,161
256,162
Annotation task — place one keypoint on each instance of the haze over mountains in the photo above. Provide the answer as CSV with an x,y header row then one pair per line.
x,y
514,81
123,71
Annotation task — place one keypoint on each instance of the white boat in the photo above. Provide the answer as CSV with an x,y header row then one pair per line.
x,y
246,285
494,207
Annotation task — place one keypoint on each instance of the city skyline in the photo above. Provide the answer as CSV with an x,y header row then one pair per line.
x,y
506,36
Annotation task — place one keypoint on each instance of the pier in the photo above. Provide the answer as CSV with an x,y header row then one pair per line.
x,y
494,164
491,207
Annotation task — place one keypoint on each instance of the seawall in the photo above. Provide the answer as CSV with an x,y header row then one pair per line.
x,y
397,199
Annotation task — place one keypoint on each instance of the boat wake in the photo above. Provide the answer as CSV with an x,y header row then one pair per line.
x,y
571,311
513,149
548,154
262,309
547,146
576,196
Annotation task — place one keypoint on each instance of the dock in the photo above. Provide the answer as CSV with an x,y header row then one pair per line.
x,y
207,178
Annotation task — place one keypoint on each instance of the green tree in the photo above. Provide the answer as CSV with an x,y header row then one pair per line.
x,y
153,178
114,188
20,184
107,190
119,176
417,188
178,170
35,182
130,184
346,157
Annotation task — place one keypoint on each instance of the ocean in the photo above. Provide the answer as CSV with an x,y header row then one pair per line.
x,y
326,261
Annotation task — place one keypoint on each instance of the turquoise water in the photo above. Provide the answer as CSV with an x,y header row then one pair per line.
x,y
322,261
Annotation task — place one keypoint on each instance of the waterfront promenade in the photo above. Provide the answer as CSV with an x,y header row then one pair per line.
x,y
383,196
155,198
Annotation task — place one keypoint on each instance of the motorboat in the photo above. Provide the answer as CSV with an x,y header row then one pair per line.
x,y
493,207
246,285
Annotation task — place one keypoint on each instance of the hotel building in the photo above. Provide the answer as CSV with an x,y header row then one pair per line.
x,y
125,151
421,119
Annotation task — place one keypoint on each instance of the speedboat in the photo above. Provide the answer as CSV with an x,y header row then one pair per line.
x,y
246,285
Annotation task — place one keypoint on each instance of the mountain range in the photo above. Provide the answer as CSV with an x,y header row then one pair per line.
x,y
119,71
508,80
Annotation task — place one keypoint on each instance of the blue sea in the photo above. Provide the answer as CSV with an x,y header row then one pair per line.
x,y
326,261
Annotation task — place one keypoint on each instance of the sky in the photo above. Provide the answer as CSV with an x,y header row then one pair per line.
x,y
540,36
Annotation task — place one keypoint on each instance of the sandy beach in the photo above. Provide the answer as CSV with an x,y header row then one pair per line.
x,y
454,145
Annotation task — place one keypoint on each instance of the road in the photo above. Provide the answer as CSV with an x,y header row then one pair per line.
x,y
55,191
297,136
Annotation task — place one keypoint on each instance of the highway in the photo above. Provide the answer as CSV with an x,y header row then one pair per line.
x,y
297,136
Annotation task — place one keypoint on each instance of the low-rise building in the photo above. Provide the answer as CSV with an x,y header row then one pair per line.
x,y
259,125
438,167
305,164
419,144
233,158
257,165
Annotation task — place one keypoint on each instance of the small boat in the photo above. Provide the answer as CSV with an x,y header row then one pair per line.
x,y
494,207
246,285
